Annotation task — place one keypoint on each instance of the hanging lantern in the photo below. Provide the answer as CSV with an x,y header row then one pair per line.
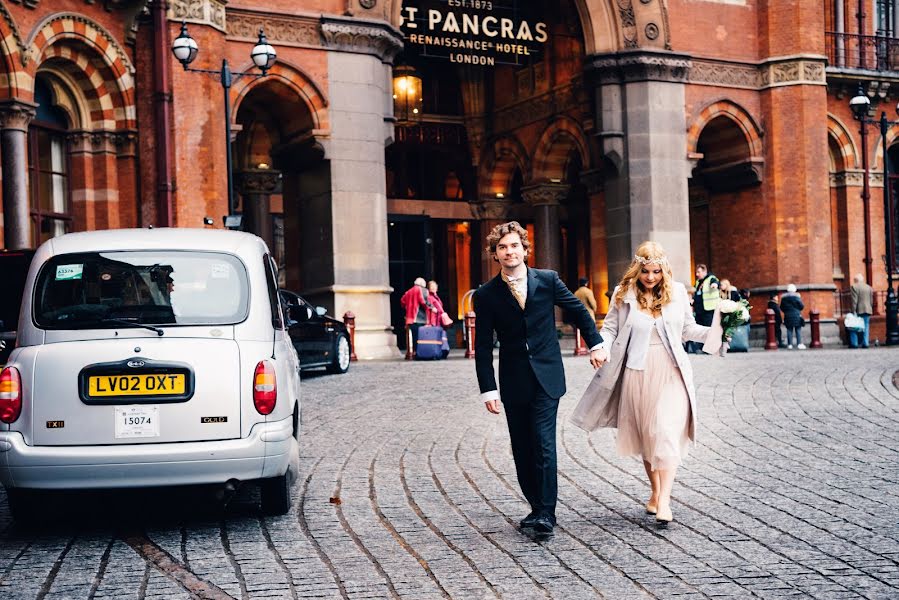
x,y
407,95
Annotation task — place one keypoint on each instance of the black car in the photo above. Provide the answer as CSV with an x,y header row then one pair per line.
x,y
13,271
320,340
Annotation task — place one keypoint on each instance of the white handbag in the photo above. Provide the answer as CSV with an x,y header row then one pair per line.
x,y
853,321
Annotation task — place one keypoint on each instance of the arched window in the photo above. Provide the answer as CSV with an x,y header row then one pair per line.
x,y
48,167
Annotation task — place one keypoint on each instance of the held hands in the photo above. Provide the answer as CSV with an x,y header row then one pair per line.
x,y
599,356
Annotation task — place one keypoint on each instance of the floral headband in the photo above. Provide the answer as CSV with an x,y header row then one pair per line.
x,y
661,261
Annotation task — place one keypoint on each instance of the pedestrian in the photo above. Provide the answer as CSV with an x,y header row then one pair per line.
x,y
778,320
518,305
705,296
862,301
437,317
705,299
791,305
417,306
646,389
727,291
585,295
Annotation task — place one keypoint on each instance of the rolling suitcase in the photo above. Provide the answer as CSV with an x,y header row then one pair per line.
x,y
430,343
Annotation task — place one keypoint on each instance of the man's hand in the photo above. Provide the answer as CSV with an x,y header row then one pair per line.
x,y
492,406
598,356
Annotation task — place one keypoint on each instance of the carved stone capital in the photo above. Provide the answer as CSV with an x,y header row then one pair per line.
x,y
16,114
125,143
847,178
362,37
255,182
545,194
798,70
489,209
641,65
204,12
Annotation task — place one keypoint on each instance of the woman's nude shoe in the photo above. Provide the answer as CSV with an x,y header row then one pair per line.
x,y
651,508
663,517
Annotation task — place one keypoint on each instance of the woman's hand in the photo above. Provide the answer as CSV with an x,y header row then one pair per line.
x,y
599,356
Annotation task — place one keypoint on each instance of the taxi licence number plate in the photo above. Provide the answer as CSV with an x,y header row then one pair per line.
x,y
136,421
136,385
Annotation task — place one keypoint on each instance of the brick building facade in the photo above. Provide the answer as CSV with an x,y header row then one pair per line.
x,y
720,128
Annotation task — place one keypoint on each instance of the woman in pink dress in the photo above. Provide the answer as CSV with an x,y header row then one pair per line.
x,y
646,387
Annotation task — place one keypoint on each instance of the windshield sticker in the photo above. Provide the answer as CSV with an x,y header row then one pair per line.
x,y
221,271
68,272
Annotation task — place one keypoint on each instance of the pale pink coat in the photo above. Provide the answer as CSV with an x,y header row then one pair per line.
x,y
598,407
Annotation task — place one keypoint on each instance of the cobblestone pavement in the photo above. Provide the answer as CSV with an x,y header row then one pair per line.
x,y
793,490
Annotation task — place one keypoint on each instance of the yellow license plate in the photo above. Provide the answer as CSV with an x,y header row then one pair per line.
x,y
136,385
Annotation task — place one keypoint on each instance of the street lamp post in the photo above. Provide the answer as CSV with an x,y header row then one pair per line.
x,y
859,105
263,55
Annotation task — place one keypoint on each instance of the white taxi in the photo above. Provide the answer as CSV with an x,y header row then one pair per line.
x,y
150,357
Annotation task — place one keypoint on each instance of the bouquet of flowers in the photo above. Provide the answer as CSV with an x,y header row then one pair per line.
x,y
733,315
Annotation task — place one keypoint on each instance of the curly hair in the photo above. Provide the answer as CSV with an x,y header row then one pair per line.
x,y
661,293
500,231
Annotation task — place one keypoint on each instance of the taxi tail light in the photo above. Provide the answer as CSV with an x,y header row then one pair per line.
x,y
10,395
265,388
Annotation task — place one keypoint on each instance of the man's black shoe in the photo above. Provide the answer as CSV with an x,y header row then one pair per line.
x,y
543,524
528,521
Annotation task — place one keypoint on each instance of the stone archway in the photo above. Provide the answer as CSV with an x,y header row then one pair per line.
x,y
277,119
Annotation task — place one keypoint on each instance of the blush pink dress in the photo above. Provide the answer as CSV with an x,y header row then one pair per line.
x,y
654,413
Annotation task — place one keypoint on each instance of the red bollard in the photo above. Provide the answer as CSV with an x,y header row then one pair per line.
x,y
469,324
770,337
815,318
410,351
579,348
349,319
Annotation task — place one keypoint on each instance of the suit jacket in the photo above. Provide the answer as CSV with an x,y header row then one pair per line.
x,y
598,406
862,298
527,337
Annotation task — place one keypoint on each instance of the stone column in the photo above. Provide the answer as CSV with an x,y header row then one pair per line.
x,y
546,199
256,188
599,274
648,200
15,115
360,91
489,212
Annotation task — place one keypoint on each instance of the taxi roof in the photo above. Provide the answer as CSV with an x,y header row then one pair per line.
x,y
163,238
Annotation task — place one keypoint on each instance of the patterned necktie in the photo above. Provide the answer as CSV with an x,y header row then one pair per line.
x,y
515,293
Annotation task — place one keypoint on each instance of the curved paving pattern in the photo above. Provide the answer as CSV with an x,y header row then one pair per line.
x,y
792,490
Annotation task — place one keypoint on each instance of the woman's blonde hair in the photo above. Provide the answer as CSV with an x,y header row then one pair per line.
x,y
647,253
724,288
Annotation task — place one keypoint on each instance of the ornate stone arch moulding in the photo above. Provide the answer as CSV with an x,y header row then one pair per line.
x,y
45,27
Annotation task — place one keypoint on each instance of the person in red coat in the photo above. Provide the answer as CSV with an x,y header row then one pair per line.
x,y
417,306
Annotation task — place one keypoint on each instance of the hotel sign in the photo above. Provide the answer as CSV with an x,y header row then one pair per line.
x,y
473,32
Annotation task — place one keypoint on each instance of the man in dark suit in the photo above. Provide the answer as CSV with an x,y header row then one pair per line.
x,y
518,304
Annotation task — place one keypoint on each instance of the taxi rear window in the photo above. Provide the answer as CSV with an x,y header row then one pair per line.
x,y
103,289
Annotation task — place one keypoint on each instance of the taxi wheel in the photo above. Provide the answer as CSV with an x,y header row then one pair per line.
x,y
341,361
276,495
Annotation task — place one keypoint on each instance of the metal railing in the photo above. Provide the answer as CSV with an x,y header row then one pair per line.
x,y
842,302
854,51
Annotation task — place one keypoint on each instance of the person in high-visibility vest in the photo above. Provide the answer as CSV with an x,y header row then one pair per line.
x,y
706,296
